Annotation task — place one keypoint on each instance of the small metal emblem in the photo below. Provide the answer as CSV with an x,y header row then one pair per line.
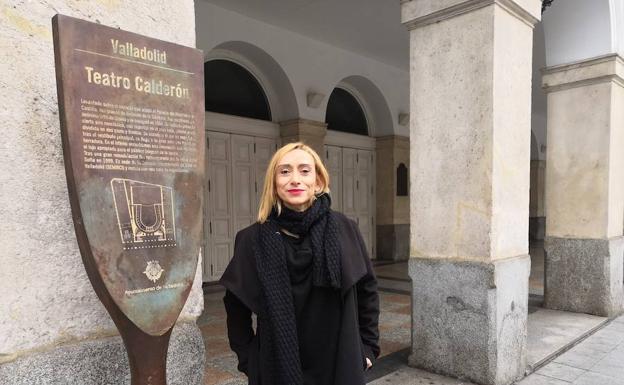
x,y
153,271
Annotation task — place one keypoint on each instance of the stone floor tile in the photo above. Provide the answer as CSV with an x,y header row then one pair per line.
x,y
617,327
385,306
602,340
393,319
215,329
412,376
615,336
214,376
396,298
620,320
404,310
596,346
388,346
216,348
400,333
612,365
579,360
538,379
560,371
591,378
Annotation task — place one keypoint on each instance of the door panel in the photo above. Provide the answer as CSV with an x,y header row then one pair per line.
x,y
265,148
352,178
217,223
349,183
333,162
243,187
364,202
235,169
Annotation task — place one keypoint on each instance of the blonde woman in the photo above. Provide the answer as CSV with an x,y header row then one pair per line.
x,y
304,271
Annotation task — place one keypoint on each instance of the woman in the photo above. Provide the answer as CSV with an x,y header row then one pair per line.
x,y
304,271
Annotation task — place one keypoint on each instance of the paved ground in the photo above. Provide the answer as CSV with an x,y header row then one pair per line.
x,y
597,360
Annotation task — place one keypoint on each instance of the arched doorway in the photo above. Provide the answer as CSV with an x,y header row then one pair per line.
x,y
231,89
351,166
240,139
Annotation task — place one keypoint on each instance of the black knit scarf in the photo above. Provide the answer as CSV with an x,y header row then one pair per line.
x,y
319,222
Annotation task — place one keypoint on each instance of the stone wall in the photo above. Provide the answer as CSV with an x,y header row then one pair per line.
x,y
47,305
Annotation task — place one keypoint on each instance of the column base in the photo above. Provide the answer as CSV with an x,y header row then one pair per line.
x,y
469,319
104,361
584,275
393,242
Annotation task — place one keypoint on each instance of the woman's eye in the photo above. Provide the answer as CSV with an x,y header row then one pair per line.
x,y
305,171
284,172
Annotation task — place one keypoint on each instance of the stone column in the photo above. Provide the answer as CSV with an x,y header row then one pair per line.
x,y
392,209
470,79
307,131
585,186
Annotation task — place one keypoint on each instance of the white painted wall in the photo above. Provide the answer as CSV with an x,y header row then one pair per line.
x,y
617,25
47,299
538,96
579,29
309,65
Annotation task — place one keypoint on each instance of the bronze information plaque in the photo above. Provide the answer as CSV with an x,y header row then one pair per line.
x,y
132,121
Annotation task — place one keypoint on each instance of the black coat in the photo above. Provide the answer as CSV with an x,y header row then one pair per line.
x,y
359,334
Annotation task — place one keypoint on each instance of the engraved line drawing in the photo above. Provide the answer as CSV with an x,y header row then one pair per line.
x,y
145,213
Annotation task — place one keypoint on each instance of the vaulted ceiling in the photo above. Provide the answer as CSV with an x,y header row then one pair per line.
x,y
369,27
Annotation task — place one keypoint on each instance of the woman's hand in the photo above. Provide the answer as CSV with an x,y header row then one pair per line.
x,y
368,363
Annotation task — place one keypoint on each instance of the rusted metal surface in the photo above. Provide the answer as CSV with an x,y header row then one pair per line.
x,y
132,122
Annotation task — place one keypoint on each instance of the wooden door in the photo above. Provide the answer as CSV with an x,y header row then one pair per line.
x,y
218,225
236,166
365,204
352,180
333,162
243,182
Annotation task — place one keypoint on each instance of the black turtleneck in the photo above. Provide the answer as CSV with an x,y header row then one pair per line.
x,y
317,312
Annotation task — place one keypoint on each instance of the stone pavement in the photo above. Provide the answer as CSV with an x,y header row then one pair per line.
x,y
597,360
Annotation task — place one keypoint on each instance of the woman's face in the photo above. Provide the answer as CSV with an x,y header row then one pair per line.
x,y
295,180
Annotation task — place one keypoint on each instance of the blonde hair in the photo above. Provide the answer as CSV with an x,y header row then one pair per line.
x,y
269,198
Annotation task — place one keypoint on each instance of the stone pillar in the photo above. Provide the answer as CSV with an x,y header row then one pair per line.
x,y
53,328
470,80
307,131
392,209
585,186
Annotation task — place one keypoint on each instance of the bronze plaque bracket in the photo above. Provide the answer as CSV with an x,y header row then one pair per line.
x,y
132,125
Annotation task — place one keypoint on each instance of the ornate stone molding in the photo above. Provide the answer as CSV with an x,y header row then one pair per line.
x,y
415,15
601,69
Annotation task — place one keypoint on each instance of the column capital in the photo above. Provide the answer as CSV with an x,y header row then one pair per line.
x,y
310,132
300,126
389,141
419,13
601,69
